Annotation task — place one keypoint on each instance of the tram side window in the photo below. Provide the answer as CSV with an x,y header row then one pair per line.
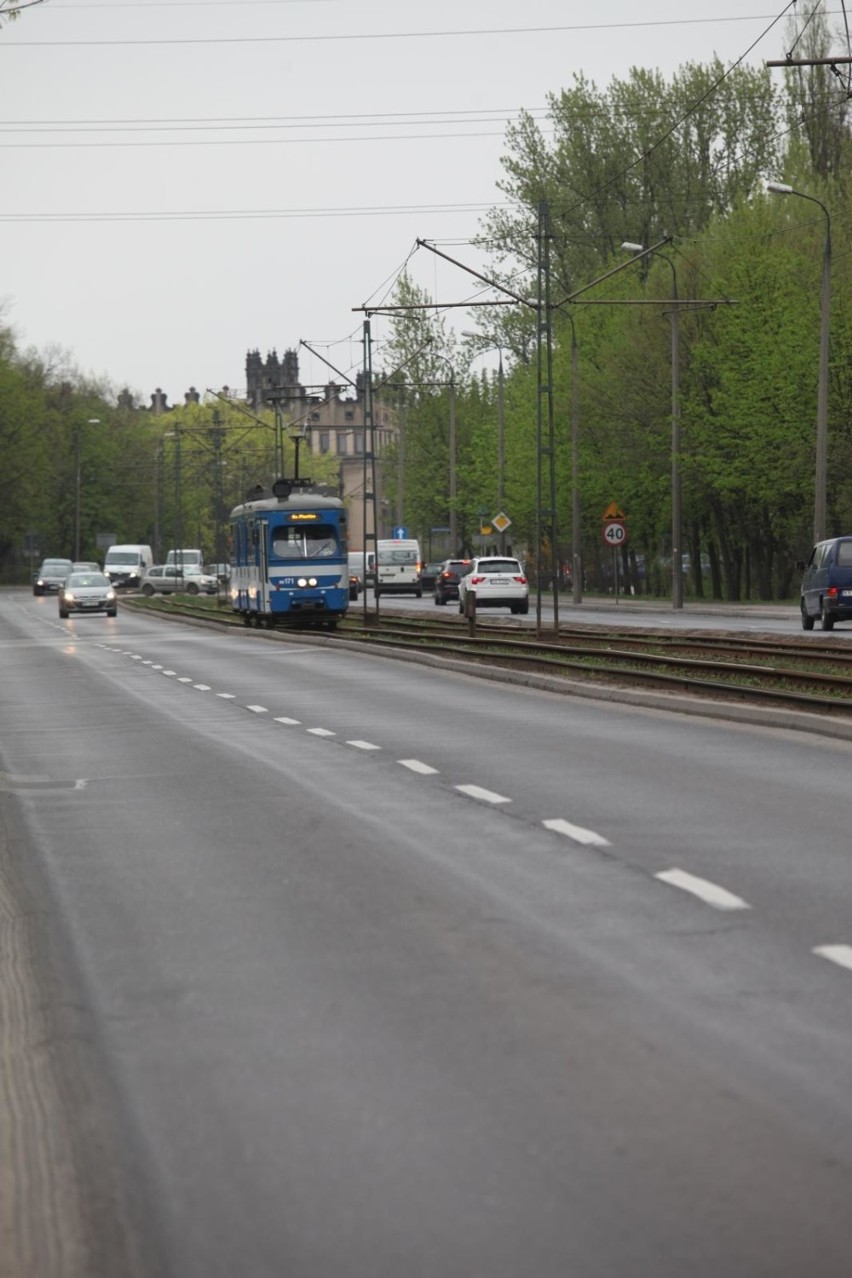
x,y
318,541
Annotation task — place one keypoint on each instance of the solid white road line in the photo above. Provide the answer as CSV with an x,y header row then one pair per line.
x,y
839,954
486,796
720,898
414,765
577,833
363,745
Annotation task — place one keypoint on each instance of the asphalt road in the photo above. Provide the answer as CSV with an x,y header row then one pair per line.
x,y
330,965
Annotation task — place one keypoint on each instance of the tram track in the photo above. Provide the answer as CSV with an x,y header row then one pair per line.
x,y
814,676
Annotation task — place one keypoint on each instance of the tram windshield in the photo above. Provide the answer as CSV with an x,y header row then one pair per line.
x,y
318,541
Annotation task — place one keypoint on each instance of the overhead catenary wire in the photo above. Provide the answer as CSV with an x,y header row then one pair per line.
x,y
343,37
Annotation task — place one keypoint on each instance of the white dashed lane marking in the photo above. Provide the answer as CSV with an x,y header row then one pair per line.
x,y
202,687
293,723
226,696
322,732
484,796
258,709
414,765
185,679
363,745
720,898
577,833
839,954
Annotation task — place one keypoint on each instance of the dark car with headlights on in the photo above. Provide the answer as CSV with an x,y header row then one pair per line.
x,y
428,575
87,592
447,579
51,575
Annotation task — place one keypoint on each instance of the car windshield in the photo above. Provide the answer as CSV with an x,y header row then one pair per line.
x,y
319,541
122,557
79,579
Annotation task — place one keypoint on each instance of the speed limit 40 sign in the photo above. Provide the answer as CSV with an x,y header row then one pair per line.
x,y
615,533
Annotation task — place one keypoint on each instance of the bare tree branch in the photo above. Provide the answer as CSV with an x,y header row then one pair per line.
x,y
11,9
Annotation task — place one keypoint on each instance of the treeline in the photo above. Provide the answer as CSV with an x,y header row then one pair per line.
x,y
645,160
648,159
79,461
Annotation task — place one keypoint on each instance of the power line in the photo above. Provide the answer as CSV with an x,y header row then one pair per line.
x,y
204,215
482,115
381,137
390,35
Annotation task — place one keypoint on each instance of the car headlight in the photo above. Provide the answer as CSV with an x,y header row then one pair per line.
x,y
68,596
110,594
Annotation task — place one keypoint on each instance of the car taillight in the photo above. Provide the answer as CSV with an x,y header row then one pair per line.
x,y
475,581
832,592
522,580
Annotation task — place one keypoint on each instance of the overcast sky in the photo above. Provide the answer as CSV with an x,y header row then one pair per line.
x,y
195,178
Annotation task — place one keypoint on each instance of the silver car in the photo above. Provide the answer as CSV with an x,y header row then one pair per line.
x,y
167,579
86,592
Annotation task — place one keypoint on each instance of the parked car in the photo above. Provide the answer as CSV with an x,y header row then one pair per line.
x,y
222,572
50,576
167,579
496,583
428,575
827,584
446,585
87,592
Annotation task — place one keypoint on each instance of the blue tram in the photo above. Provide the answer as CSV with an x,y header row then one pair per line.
x,y
289,556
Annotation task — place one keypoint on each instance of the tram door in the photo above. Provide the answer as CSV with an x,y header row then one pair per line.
x,y
263,602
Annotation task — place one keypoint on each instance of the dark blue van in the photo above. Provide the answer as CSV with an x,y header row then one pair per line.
x,y
827,584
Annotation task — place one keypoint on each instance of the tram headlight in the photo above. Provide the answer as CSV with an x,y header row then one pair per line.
x,y
306,581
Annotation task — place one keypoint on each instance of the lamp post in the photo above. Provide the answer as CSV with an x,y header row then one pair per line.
x,y
78,466
821,469
454,549
501,429
677,520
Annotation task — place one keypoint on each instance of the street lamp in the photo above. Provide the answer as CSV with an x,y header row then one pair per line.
x,y
78,465
677,556
454,549
821,470
501,428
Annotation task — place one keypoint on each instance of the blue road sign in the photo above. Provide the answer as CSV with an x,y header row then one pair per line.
x,y
400,533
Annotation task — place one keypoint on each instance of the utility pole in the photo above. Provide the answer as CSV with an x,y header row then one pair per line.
x,y
545,514
370,513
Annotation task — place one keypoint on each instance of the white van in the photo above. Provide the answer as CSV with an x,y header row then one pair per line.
x,y
127,565
398,565
188,558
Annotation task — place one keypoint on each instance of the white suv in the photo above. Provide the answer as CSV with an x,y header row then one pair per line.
x,y
496,582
